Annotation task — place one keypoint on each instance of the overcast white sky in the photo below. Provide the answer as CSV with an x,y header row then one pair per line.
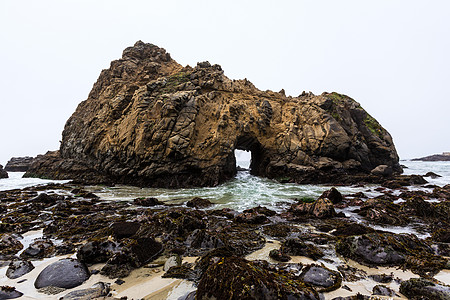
x,y
391,56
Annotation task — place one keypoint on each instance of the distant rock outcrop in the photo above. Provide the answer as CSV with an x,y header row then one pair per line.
x,y
19,164
3,173
149,121
435,157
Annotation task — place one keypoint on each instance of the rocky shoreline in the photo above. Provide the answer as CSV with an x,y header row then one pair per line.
x,y
310,248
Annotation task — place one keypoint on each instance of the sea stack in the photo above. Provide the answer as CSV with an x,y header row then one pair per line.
x,y
149,121
19,164
3,173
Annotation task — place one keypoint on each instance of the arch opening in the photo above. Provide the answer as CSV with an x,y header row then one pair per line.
x,y
249,154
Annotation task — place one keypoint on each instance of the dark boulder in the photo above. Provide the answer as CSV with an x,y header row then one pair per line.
x,y
382,211
261,210
393,250
199,203
134,254
40,248
97,251
277,255
297,247
9,244
65,273
251,218
98,290
9,292
201,241
347,229
382,290
236,278
122,230
420,288
323,279
382,278
333,195
432,175
18,268
321,208
147,202
354,297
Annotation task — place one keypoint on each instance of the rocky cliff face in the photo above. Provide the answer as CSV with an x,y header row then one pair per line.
x,y
149,121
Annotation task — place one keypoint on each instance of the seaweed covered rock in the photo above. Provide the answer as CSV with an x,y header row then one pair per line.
x,y
40,248
97,251
149,121
321,208
392,250
323,279
9,244
198,202
237,278
98,290
134,254
65,273
151,201
18,268
297,247
420,288
382,211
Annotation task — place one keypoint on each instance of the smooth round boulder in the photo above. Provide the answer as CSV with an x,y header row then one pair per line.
x,y
9,292
18,268
65,273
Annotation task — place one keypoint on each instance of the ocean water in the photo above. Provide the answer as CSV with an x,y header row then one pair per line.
x,y
242,192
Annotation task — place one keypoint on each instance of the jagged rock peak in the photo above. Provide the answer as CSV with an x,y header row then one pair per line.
x,y
149,121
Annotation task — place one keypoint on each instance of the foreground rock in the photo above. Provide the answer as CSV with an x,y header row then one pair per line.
x,y
3,173
322,278
419,288
237,278
65,273
96,291
148,121
19,164
388,249
9,292
18,268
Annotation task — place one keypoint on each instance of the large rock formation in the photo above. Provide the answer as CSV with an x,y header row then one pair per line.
x,y
149,121
19,164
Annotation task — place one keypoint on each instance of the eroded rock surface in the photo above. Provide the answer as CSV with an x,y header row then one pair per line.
x,y
19,164
149,121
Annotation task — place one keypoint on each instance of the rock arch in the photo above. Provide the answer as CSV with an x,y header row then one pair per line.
x,y
149,121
